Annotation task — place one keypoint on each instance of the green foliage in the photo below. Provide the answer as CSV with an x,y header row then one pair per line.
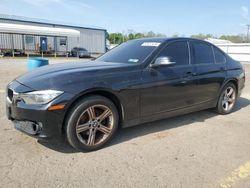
x,y
175,35
234,38
202,36
118,38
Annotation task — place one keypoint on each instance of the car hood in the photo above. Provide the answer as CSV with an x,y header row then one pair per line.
x,y
58,75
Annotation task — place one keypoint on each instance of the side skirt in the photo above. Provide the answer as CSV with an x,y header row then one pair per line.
x,y
168,114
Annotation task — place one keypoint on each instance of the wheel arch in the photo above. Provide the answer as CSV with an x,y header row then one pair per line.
x,y
101,92
234,81
231,80
219,108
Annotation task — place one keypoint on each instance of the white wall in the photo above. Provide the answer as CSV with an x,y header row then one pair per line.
x,y
239,52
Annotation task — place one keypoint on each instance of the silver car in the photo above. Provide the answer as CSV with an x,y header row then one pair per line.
x,y
79,52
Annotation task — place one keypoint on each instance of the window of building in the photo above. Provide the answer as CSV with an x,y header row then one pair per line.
x,y
63,41
29,39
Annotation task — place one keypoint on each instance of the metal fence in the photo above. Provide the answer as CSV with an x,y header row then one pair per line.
x,y
239,52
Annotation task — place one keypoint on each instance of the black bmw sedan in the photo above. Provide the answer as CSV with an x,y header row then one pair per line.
x,y
139,81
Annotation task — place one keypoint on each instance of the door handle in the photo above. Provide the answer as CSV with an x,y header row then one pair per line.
x,y
223,69
187,76
190,74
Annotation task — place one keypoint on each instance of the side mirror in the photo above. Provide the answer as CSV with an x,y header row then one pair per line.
x,y
163,61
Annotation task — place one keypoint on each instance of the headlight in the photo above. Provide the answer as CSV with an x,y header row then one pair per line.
x,y
39,97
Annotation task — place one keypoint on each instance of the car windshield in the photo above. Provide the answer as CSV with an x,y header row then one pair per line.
x,y
135,51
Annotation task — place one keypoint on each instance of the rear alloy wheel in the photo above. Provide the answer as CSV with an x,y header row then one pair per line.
x,y
92,123
227,99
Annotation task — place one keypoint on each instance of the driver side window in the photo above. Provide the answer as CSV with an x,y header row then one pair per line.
x,y
177,52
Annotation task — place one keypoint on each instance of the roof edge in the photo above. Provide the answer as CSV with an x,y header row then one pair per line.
x,y
48,22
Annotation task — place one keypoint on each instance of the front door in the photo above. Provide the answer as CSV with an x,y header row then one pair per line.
x,y
169,88
43,44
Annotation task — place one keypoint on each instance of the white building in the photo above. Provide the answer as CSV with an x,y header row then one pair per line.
x,y
218,41
34,36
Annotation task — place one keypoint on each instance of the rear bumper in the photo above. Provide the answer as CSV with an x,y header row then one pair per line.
x,y
84,54
36,120
241,83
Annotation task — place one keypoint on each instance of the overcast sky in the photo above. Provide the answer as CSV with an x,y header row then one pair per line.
x,y
184,17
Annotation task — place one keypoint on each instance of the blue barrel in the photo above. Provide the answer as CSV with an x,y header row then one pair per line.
x,y
36,62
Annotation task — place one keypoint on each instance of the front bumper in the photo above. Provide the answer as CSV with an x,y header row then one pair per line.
x,y
30,128
35,120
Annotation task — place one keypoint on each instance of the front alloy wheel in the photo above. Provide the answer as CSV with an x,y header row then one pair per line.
x,y
94,125
91,123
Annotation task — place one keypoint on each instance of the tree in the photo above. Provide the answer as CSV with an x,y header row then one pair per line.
x,y
150,34
233,38
118,38
202,36
131,36
139,35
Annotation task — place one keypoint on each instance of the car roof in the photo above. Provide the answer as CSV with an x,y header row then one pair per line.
x,y
163,39
153,39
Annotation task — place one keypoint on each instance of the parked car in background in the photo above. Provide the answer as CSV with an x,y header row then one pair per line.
x,y
137,82
1,53
79,52
9,52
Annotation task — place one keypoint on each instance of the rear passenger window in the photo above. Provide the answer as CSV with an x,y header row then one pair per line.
x,y
219,56
177,51
203,53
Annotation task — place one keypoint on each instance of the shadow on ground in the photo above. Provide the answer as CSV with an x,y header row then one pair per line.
x,y
127,134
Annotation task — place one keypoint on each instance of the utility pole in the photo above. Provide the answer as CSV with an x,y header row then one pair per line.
x,y
248,32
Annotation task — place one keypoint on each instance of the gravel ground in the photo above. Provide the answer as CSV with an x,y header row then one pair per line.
x,y
201,149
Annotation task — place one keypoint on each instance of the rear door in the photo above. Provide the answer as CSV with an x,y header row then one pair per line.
x,y
210,69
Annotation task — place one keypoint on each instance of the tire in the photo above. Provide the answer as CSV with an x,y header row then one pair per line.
x,y
91,123
227,102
